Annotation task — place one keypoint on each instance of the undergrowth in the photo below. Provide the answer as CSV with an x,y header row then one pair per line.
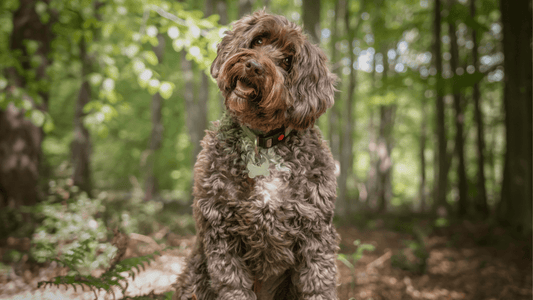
x,y
355,257
115,276
72,233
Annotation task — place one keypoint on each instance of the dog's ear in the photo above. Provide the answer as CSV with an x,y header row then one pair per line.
x,y
223,51
313,86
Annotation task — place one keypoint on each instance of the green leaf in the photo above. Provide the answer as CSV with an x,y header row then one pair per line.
x,y
40,8
345,261
150,57
107,29
37,117
166,89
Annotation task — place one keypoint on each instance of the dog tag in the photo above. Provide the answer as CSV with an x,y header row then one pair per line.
x,y
254,170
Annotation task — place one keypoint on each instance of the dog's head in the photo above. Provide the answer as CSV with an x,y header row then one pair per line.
x,y
270,74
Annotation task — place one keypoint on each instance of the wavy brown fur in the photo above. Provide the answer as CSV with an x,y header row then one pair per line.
x,y
270,237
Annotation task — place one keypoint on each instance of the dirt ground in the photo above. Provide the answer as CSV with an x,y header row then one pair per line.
x,y
463,262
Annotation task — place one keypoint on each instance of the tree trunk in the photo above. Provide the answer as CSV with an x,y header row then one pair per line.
x,y
156,136
245,7
81,145
384,147
422,153
385,161
193,112
333,114
222,11
371,181
311,19
346,159
441,181
481,206
515,206
20,139
459,124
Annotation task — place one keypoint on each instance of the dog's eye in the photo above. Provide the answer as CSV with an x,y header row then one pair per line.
x,y
257,41
286,63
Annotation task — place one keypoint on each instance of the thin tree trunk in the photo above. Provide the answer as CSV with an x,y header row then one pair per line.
x,y
495,192
384,146
20,139
346,159
422,153
81,145
193,112
371,183
515,205
385,160
222,11
156,137
481,200
311,19
441,182
459,124
245,7
333,114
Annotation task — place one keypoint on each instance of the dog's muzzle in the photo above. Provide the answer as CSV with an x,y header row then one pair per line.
x,y
246,87
253,68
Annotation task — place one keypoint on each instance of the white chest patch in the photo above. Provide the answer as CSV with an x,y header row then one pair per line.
x,y
269,190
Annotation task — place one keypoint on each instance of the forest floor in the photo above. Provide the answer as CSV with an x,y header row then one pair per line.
x,y
464,261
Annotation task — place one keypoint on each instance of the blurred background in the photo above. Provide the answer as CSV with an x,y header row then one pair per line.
x,y
103,105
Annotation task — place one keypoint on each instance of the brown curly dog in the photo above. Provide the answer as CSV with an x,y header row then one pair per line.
x,y
264,183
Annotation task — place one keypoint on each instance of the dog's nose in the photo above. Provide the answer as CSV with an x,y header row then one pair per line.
x,y
254,68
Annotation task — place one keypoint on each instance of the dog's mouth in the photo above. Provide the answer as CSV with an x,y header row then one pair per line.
x,y
244,88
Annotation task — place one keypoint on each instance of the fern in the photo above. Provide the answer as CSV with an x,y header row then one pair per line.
x,y
110,279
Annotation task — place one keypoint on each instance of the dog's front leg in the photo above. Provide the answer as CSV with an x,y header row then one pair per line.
x,y
229,275
315,276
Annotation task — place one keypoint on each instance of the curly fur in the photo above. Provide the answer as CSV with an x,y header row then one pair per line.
x,y
270,237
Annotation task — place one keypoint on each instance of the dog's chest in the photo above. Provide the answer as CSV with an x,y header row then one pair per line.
x,y
267,192
270,226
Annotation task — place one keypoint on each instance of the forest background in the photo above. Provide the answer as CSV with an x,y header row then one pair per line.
x,y
103,105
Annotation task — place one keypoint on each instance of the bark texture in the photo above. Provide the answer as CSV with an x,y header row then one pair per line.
x,y
311,19
515,205
81,144
20,139
481,205
156,136
333,117
384,146
459,124
346,161
441,181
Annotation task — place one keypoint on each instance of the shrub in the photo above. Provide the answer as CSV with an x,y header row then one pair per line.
x,y
70,230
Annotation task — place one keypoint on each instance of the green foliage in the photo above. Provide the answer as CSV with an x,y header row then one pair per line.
x,y
71,230
133,214
414,257
113,277
354,257
119,36
72,233
12,223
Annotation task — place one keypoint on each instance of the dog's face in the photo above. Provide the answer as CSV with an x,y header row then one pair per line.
x,y
271,75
